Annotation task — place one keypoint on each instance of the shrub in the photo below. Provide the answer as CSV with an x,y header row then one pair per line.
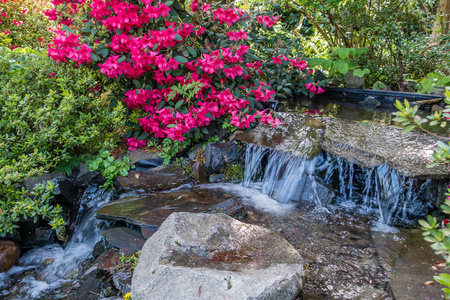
x,y
161,51
23,24
49,113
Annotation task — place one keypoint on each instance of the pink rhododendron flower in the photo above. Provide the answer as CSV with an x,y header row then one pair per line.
x,y
134,144
269,21
206,7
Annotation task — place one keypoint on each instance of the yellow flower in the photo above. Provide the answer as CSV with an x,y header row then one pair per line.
x,y
127,296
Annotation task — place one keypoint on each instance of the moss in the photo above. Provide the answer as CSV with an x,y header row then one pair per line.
x,y
234,172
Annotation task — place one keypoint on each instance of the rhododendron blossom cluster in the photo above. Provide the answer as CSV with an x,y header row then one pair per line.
x,y
153,47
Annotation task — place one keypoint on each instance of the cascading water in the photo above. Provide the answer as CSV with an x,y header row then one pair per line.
x,y
284,177
51,271
277,174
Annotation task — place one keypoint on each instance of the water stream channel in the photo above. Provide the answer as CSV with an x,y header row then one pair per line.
x,y
340,217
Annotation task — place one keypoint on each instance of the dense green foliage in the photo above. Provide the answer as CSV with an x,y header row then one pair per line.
x,y
398,34
49,113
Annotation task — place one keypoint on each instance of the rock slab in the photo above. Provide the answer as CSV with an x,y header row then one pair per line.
x,y
213,256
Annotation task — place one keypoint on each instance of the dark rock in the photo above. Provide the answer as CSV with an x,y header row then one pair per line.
x,y
272,104
212,255
318,75
148,231
91,287
301,135
109,261
231,207
370,102
353,82
199,172
436,108
66,188
9,254
31,182
196,152
101,247
128,241
148,164
160,178
219,156
139,154
316,191
153,208
85,176
122,281
217,178
40,237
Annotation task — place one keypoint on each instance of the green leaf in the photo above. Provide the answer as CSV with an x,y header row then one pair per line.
x,y
160,105
137,84
178,37
168,3
67,28
343,52
191,51
181,59
343,67
178,104
120,60
313,62
408,128
171,125
95,57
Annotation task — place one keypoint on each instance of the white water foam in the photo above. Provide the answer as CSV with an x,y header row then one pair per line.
x,y
253,198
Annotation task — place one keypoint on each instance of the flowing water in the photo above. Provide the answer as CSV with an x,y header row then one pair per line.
x,y
380,190
333,212
53,271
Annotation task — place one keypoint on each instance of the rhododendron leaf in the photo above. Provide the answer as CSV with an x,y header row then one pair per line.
x,y
140,31
127,134
160,105
192,51
120,60
183,110
254,57
243,24
136,83
171,125
168,3
287,90
178,104
178,37
209,115
142,136
155,46
84,29
281,96
95,57
185,53
67,28
181,59
119,31
104,52
204,130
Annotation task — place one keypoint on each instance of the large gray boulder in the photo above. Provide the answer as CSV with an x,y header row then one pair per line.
x,y
213,256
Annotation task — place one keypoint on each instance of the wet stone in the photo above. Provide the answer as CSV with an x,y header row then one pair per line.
x,y
128,241
219,156
207,256
151,209
373,145
9,254
300,135
159,178
109,261
139,154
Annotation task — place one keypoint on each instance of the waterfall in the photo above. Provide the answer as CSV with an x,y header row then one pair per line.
x,y
50,268
380,190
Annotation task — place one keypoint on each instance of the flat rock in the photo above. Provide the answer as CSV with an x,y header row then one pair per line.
x,y
370,146
213,256
9,254
85,176
31,182
128,241
151,209
159,178
300,135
